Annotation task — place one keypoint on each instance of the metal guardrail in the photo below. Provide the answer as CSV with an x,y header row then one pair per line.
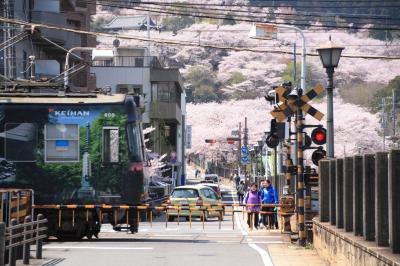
x,y
25,234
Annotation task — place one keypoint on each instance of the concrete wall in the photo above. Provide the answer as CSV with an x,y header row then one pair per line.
x,y
338,247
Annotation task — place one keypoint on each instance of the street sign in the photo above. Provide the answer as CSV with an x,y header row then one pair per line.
x,y
188,137
245,159
263,31
245,150
287,107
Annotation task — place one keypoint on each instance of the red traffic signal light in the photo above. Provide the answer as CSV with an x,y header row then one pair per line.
x,y
318,136
317,155
211,141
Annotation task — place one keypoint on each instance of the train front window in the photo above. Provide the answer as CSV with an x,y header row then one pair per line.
x,y
134,142
20,142
110,145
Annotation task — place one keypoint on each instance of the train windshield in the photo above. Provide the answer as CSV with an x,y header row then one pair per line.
x,y
134,142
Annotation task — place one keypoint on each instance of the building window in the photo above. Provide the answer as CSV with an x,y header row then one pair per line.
x,y
139,62
165,92
110,152
74,23
61,143
21,142
133,89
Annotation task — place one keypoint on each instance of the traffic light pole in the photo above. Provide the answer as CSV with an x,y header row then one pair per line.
x,y
300,178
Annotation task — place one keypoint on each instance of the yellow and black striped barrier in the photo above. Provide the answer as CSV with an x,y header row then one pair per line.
x,y
199,209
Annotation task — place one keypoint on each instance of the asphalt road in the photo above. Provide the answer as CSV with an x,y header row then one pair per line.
x,y
174,245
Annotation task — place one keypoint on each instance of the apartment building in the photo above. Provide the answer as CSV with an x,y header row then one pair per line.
x,y
132,70
49,58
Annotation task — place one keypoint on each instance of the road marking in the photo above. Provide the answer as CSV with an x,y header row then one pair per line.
x,y
267,242
98,248
174,235
263,253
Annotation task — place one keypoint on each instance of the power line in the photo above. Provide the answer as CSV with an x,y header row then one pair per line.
x,y
193,5
299,5
181,43
224,17
183,5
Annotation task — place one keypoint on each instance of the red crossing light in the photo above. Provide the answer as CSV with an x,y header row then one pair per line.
x,y
211,141
318,136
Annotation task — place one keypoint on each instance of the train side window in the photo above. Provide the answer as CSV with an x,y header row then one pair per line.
x,y
20,142
110,147
61,143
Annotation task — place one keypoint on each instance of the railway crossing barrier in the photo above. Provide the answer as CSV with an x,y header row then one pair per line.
x,y
22,235
149,211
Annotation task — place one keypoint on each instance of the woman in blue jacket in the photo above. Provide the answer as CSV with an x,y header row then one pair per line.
x,y
269,196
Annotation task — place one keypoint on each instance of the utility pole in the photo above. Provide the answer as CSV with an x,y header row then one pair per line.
x,y
240,147
394,112
383,122
246,132
245,137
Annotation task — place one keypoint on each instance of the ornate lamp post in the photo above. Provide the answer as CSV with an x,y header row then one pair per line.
x,y
329,54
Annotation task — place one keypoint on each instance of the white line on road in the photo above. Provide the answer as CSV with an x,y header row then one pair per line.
x,y
174,235
263,253
267,242
98,248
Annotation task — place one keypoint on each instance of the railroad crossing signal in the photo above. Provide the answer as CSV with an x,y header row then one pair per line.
x,y
318,136
288,107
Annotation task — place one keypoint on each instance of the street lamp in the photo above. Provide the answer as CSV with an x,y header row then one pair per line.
x,y
330,56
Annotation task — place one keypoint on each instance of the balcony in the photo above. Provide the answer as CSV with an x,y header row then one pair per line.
x,y
166,111
128,61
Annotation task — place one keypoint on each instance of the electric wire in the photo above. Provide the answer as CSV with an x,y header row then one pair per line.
x,y
184,43
246,19
184,5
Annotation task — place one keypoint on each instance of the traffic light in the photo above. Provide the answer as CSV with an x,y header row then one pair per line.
x,y
318,135
317,155
272,140
211,141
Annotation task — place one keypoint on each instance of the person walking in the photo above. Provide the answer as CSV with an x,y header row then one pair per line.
x,y
241,189
269,196
254,199
237,180
261,222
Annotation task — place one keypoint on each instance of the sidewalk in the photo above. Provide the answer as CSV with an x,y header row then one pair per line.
x,y
280,248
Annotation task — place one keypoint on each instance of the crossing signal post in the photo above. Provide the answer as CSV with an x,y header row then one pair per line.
x,y
292,101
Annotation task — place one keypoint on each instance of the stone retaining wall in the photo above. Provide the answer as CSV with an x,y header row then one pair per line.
x,y
338,247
